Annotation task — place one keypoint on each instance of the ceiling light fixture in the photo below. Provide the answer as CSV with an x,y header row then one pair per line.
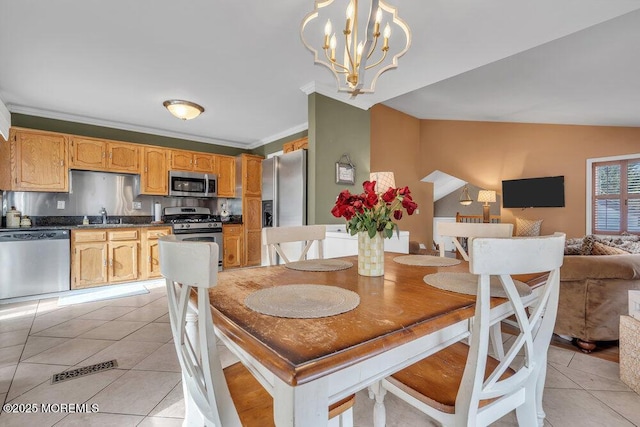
x,y
465,198
357,52
184,110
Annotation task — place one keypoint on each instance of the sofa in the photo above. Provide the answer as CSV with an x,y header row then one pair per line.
x,y
597,273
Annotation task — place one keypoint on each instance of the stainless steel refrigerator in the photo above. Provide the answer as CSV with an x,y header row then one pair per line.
x,y
284,194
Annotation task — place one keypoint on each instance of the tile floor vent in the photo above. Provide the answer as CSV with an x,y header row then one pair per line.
x,y
81,372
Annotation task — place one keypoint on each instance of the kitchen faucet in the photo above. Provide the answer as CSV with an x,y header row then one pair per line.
x,y
103,212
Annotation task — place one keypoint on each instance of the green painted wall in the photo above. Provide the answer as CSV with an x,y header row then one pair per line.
x,y
335,128
52,125
276,146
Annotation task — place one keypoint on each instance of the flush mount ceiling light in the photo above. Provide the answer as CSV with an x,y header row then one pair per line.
x,y
184,110
356,51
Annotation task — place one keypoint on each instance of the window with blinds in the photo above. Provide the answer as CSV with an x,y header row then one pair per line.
x,y
616,197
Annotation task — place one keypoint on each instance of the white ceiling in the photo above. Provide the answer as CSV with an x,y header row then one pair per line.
x,y
113,63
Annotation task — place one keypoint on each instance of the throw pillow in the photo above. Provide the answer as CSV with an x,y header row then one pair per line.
x,y
602,249
587,244
528,227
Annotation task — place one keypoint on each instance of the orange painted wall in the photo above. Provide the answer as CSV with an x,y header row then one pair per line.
x,y
395,146
485,153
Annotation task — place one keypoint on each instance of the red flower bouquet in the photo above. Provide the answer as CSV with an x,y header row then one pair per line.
x,y
372,212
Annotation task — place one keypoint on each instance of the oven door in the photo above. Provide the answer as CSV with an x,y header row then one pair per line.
x,y
215,237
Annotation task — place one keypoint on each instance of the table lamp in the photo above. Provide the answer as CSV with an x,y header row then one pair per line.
x,y
384,181
486,196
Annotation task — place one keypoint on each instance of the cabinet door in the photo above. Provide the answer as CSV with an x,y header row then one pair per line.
x,y
251,214
150,261
123,261
123,157
154,178
89,265
87,153
205,163
252,176
226,176
232,244
301,143
181,160
40,162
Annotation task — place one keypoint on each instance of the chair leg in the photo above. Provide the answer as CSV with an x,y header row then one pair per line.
x,y
527,413
496,341
542,377
379,412
192,415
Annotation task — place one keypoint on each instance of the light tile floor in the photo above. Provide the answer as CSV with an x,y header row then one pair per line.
x,y
41,338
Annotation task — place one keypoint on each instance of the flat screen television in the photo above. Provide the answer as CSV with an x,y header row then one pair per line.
x,y
547,192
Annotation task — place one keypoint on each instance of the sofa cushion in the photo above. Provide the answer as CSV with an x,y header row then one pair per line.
x,y
587,244
528,227
603,249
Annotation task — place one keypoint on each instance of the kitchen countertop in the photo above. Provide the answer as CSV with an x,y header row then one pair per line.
x,y
82,227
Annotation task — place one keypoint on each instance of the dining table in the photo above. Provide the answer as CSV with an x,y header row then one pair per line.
x,y
306,364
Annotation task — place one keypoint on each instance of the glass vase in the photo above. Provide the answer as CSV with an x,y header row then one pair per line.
x,y
370,254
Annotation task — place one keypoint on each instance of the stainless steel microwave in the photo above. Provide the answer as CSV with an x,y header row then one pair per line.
x,y
193,184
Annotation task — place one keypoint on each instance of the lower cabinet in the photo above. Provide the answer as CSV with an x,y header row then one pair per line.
x,y
232,236
107,256
150,260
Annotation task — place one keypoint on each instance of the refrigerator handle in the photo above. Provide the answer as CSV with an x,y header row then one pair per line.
x,y
275,214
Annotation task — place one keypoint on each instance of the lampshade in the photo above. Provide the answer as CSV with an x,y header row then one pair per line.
x,y
384,181
184,110
465,198
487,196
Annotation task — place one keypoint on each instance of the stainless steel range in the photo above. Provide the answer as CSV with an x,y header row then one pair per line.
x,y
195,224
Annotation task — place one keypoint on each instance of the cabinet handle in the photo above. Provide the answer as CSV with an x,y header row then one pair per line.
x,y
110,155
61,162
105,262
104,154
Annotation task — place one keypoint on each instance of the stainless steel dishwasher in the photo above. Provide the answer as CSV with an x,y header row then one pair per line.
x,y
34,262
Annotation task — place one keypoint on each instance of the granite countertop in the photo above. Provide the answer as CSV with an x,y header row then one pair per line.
x,y
81,227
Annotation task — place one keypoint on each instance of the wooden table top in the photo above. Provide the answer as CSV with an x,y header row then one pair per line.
x,y
393,310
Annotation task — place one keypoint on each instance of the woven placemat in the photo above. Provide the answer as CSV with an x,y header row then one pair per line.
x,y
467,283
320,265
426,260
302,301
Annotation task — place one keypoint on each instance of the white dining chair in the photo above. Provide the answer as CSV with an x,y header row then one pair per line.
x,y
462,385
454,231
214,396
306,235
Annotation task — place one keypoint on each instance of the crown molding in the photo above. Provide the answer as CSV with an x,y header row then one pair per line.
x,y
121,126
331,92
299,128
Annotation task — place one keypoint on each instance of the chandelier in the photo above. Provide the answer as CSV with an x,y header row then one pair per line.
x,y
361,48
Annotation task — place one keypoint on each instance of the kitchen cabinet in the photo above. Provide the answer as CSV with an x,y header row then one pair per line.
x,y
232,243
298,144
154,177
251,175
103,155
150,258
34,161
105,256
192,161
226,170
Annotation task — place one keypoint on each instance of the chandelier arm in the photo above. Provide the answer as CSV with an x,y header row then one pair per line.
x,y
373,48
384,55
334,64
348,50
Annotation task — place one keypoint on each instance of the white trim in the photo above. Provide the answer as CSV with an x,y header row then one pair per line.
x,y
123,126
299,128
5,121
590,162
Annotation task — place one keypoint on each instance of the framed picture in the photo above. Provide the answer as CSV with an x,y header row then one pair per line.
x,y
345,171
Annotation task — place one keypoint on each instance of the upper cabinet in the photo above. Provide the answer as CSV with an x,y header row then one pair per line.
x,y
103,155
252,175
37,161
192,161
298,144
154,178
226,171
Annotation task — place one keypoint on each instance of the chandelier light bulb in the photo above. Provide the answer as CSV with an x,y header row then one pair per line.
x,y
378,16
350,11
387,31
327,28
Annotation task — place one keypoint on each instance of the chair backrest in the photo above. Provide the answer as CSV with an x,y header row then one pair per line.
x,y
187,265
454,231
476,218
504,257
275,237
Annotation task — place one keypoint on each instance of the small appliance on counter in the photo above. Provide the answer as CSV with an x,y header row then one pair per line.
x,y
13,218
25,222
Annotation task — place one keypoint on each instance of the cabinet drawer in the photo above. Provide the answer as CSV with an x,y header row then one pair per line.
x,y
156,234
89,236
232,229
131,234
